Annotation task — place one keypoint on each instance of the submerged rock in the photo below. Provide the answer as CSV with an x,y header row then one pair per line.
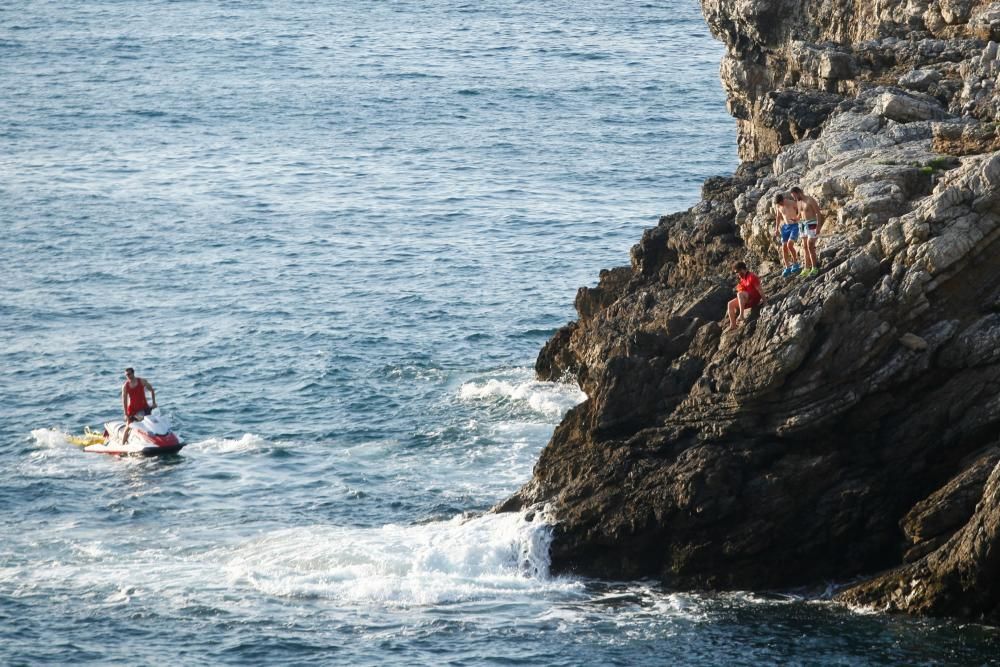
x,y
850,424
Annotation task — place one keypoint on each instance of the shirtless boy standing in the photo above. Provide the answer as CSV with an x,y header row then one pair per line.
x,y
786,227
812,225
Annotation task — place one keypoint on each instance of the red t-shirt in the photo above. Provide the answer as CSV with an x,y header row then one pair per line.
x,y
750,284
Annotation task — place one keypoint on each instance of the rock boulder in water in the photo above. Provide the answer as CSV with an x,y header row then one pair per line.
x,y
849,427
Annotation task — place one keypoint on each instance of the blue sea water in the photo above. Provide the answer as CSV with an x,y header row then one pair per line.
x,y
334,237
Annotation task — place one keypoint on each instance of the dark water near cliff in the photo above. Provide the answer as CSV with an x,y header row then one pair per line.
x,y
334,236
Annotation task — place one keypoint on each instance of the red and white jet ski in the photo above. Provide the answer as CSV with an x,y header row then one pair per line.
x,y
152,436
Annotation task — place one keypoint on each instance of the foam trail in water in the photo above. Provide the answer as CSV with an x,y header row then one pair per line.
x,y
248,442
551,399
50,438
54,455
461,559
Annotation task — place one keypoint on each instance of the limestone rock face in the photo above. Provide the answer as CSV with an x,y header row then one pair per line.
x,y
806,47
851,424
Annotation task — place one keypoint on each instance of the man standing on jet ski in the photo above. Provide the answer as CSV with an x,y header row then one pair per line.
x,y
134,403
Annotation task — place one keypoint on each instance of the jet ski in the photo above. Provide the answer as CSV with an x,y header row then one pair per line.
x,y
151,436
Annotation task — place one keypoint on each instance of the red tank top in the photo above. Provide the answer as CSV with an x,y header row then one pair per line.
x,y
136,397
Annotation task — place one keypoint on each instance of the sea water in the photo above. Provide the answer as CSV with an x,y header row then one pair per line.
x,y
333,236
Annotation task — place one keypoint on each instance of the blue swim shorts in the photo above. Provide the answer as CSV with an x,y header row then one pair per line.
x,y
789,232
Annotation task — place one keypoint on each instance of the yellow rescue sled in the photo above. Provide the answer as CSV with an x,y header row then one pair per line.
x,y
89,437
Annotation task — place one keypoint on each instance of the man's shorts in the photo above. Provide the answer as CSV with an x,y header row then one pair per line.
x,y
809,229
789,232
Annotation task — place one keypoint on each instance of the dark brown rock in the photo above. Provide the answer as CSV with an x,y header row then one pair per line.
x,y
847,426
950,507
960,578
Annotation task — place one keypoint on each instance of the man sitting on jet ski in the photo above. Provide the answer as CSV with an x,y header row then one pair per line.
x,y
134,403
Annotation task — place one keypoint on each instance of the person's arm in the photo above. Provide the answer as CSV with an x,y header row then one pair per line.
x,y
124,405
777,221
152,392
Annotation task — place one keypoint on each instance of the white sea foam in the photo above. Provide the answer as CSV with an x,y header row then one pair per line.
x,y
248,442
685,606
394,566
519,413
50,438
54,456
434,563
121,596
551,399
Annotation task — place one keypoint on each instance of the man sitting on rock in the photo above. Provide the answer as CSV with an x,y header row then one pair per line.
x,y
748,294
786,227
812,224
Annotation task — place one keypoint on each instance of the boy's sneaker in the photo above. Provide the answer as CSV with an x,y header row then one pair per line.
x,y
786,272
795,268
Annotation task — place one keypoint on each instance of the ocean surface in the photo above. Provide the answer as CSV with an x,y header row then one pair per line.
x,y
334,236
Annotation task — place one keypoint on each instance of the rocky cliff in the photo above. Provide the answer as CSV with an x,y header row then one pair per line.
x,y
850,427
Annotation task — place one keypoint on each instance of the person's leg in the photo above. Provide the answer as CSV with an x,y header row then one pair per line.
x,y
137,417
812,251
743,298
733,309
808,235
128,428
793,257
785,259
784,251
